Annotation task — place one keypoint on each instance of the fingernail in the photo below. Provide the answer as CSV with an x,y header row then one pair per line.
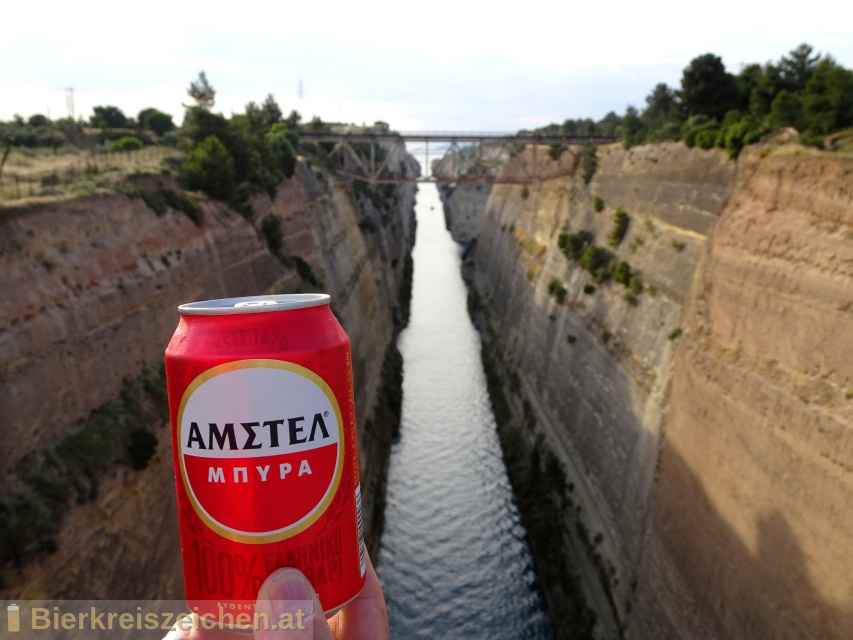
x,y
290,584
293,601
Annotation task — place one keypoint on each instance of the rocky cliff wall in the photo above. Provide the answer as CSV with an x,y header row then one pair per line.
x,y
751,531
91,288
463,209
705,431
593,367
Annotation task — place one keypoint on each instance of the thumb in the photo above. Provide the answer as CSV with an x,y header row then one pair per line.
x,y
288,601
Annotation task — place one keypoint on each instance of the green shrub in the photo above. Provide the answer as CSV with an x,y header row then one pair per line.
x,y
571,339
622,273
635,285
182,202
127,143
281,143
706,138
675,333
271,228
155,120
49,478
210,168
621,219
141,447
598,261
525,192
306,272
700,126
573,244
154,200
597,204
739,134
557,290
555,151
589,289
588,162
606,335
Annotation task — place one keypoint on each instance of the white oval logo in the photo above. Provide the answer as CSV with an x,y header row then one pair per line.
x,y
261,448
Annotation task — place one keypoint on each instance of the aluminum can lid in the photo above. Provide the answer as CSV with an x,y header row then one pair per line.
x,y
254,304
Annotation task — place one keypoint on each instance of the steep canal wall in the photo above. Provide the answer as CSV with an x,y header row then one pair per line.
x,y
91,288
692,425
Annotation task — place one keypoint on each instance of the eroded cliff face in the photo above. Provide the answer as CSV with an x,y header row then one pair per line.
x,y
706,475
463,209
751,531
91,288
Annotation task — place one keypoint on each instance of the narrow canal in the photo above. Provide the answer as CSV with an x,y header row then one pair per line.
x,y
454,562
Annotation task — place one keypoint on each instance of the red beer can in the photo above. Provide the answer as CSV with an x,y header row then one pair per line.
x,y
263,433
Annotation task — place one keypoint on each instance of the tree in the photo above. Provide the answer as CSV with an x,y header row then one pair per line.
x,y
272,112
210,167
707,88
608,124
786,110
758,87
587,127
661,107
282,152
38,120
632,130
796,68
828,98
202,92
155,120
108,117
254,118
293,120
662,115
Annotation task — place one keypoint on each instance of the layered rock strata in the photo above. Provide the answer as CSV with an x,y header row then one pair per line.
x,y
92,287
751,533
704,426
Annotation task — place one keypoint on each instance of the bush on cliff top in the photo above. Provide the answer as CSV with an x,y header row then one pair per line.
x,y
210,168
804,89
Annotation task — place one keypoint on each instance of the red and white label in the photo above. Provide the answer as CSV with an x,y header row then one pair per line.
x,y
261,448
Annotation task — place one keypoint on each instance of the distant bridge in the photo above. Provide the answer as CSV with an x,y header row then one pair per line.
x,y
471,157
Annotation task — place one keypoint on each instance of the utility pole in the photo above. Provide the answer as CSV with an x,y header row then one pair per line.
x,y
69,102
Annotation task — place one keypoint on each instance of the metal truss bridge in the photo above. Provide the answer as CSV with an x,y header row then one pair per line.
x,y
469,157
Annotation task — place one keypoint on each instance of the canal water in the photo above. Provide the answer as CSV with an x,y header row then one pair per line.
x,y
454,562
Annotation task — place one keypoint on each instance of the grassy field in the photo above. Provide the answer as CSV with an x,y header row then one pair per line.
x,y
43,174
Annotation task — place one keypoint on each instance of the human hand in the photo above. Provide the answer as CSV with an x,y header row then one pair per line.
x,y
365,618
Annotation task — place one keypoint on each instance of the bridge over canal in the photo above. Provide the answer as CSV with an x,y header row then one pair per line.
x,y
467,157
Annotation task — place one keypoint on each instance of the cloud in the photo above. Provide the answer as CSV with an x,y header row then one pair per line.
x,y
442,65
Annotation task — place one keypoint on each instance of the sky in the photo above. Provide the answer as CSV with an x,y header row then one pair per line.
x,y
433,66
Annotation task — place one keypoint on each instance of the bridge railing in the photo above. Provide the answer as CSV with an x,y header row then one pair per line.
x,y
455,136
373,167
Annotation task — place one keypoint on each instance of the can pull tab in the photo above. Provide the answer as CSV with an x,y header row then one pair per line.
x,y
256,303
